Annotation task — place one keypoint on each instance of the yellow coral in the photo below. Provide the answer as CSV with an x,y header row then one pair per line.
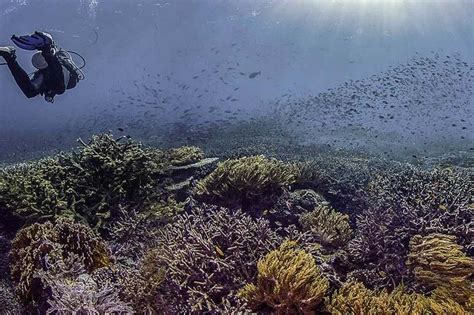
x,y
355,299
288,281
247,178
330,227
438,262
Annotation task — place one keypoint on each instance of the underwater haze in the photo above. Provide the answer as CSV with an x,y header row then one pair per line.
x,y
238,157
391,77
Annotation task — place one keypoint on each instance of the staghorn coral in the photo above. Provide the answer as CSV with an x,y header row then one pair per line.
x,y
184,155
72,291
9,304
42,246
34,190
329,227
133,229
400,205
87,185
438,262
354,298
434,201
288,282
209,254
140,287
246,180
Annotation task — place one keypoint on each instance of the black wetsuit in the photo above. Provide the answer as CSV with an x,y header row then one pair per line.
x,y
48,82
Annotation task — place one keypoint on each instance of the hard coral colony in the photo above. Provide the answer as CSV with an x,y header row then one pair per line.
x,y
119,228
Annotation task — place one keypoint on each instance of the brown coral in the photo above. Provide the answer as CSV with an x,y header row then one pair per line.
x,y
328,226
288,282
41,246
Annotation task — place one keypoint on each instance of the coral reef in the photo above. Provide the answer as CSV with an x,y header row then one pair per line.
x,y
329,227
290,205
208,255
140,287
84,296
187,234
355,298
400,205
246,180
288,282
134,229
9,304
43,245
87,185
439,263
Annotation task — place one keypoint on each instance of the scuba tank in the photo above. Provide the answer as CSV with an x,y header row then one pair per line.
x,y
72,74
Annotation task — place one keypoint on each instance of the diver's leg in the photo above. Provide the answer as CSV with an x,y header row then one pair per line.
x,y
20,75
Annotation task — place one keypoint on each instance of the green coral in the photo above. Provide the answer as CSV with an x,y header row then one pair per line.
x,y
184,155
247,179
87,185
288,282
41,246
35,190
328,226
439,263
355,299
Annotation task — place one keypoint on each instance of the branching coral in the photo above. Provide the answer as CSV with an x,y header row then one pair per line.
x,y
35,190
438,262
141,286
329,227
288,282
133,229
354,298
87,185
41,246
403,204
248,179
208,255
9,304
72,291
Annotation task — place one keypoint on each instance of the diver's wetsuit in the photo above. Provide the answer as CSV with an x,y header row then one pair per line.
x,y
48,82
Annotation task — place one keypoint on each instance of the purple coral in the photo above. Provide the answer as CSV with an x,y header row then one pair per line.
x,y
400,205
209,254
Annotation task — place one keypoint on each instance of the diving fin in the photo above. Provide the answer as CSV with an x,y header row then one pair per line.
x,y
38,40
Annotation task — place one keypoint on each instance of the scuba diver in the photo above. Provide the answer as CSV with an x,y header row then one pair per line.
x,y
56,71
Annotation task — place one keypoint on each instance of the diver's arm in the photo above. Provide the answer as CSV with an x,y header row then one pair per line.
x,y
56,69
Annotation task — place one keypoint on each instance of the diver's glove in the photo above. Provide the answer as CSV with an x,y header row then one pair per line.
x,y
39,40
